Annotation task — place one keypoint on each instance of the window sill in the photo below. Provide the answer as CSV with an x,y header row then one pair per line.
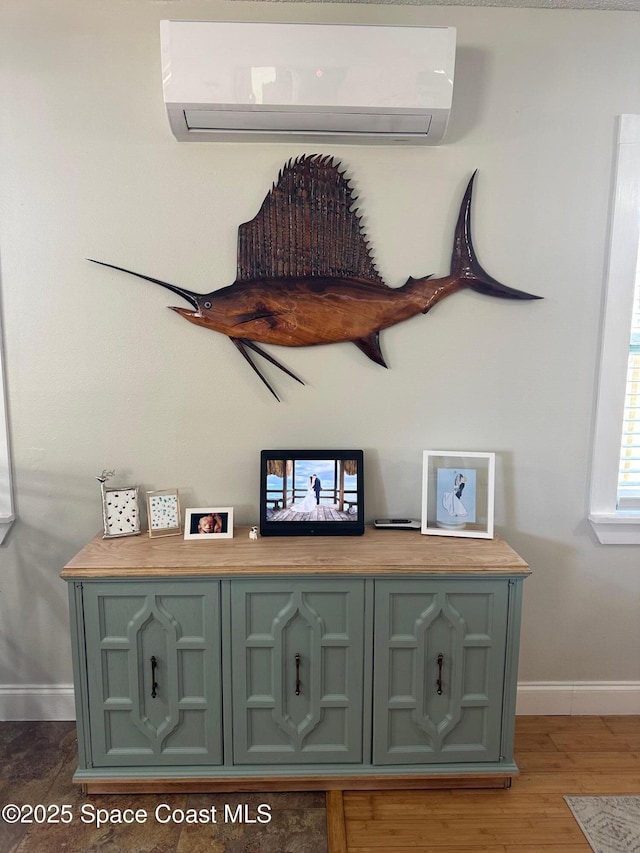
x,y
617,528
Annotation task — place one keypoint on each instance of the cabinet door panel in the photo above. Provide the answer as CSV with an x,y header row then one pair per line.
x,y
128,624
439,670
297,651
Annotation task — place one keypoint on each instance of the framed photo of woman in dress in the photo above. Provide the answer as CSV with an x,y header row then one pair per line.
x,y
458,493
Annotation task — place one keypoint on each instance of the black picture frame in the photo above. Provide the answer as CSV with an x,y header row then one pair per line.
x,y
339,510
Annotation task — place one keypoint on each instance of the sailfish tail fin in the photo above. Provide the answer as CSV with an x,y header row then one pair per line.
x,y
464,262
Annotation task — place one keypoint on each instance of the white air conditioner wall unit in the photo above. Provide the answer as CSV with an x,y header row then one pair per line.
x,y
230,81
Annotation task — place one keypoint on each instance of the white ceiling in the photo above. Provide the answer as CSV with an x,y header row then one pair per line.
x,y
601,5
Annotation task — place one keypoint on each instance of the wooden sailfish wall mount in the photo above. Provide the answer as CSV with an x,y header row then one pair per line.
x,y
306,274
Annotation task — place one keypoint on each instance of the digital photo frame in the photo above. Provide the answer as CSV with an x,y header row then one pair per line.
x,y
311,493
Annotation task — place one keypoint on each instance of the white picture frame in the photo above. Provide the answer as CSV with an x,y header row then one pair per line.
x,y
163,513
194,523
458,493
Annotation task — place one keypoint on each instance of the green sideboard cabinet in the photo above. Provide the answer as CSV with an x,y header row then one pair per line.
x,y
382,661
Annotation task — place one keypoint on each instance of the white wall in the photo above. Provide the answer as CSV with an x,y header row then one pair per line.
x,y
100,374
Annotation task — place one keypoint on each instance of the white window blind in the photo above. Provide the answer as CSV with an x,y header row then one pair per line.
x,y
629,473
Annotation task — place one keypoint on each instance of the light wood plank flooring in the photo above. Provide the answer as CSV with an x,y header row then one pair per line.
x,y
556,756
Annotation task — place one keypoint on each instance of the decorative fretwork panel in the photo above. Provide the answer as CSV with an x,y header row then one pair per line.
x,y
154,673
439,671
297,653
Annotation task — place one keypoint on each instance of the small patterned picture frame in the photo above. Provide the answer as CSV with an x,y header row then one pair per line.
x,y
120,511
163,513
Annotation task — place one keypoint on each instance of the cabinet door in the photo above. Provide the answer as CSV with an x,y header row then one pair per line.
x,y
153,672
439,670
297,651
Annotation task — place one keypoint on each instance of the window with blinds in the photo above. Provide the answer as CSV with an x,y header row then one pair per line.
x,y
629,472
614,499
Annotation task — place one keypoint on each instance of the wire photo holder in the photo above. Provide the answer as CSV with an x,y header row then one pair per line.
x,y
120,510
458,493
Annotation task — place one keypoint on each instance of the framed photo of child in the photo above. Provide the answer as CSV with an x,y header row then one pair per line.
x,y
209,523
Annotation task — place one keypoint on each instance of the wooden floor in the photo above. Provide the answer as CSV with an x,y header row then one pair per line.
x,y
556,756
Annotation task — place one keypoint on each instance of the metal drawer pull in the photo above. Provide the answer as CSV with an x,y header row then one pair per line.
x,y
440,662
298,674
154,683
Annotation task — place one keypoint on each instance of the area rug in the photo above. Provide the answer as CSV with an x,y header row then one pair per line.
x,y
610,824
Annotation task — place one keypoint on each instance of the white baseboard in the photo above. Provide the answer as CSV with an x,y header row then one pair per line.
x,y
578,698
547,698
37,702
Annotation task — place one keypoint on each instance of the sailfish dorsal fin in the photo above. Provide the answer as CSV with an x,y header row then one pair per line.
x,y
307,227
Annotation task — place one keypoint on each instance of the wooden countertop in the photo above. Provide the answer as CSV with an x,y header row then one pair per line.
x,y
378,552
